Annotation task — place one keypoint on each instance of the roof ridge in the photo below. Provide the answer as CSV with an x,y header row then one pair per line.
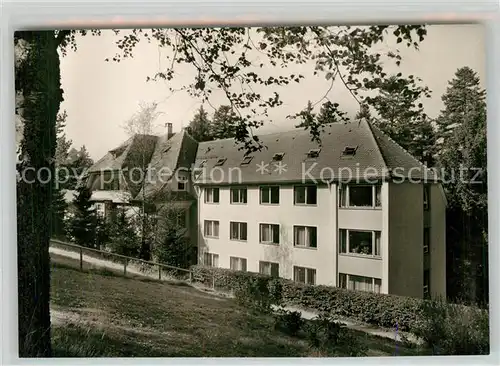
x,y
401,148
370,128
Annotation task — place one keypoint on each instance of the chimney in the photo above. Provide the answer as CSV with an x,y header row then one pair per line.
x,y
168,126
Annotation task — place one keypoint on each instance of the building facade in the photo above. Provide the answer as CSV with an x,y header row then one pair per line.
x,y
380,229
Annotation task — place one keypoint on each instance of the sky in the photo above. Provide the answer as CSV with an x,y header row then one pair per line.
x,y
100,96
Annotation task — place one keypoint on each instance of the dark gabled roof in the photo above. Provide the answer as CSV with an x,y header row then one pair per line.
x,y
375,156
117,158
170,154
399,161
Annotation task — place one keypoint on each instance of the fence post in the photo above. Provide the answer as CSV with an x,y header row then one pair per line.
x,y
159,272
190,276
125,266
81,259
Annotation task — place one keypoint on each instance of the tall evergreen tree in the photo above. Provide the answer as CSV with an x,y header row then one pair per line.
x,y
83,224
77,164
329,113
123,237
462,156
401,116
224,123
59,205
463,99
199,127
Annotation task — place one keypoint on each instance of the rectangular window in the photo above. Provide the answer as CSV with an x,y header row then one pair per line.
x,y
360,196
211,195
181,219
182,184
359,242
427,196
269,268
427,239
305,195
238,231
238,264
304,275
270,195
305,236
427,284
211,260
211,229
269,234
359,283
238,196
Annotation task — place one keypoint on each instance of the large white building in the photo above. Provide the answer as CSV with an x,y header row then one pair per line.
x,y
356,211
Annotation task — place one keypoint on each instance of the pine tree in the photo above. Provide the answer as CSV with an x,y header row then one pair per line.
x,y
78,163
224,123
462,157
199,127
59,205
58,212
463,99
123,237
402,117
83,224
171,245
329,113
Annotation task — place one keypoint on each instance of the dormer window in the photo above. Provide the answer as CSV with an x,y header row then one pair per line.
x,y
278,156
220,162
246,160
313,153
349,151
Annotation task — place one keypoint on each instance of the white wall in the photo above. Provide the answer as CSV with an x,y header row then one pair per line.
x,y
325,216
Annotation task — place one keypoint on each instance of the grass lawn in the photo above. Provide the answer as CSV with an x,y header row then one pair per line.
x,y
99,313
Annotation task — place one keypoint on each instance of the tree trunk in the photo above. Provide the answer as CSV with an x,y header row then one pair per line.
x,y
38,79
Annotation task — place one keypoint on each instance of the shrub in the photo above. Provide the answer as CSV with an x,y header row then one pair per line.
x,y
449,329
289,322
332,338
253,290
452,329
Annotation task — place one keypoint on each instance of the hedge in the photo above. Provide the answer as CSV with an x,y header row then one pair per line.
x,y
446,328
377,309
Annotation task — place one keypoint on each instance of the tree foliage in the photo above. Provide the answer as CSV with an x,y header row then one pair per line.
x,y
172,247
221,60
224,123
123,238
83,224
199,127
400,114
462,158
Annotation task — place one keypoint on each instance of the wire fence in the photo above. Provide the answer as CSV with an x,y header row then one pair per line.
x,y
127,265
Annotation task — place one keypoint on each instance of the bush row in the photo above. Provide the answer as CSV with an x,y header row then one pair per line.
x,y
377,309
409,314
